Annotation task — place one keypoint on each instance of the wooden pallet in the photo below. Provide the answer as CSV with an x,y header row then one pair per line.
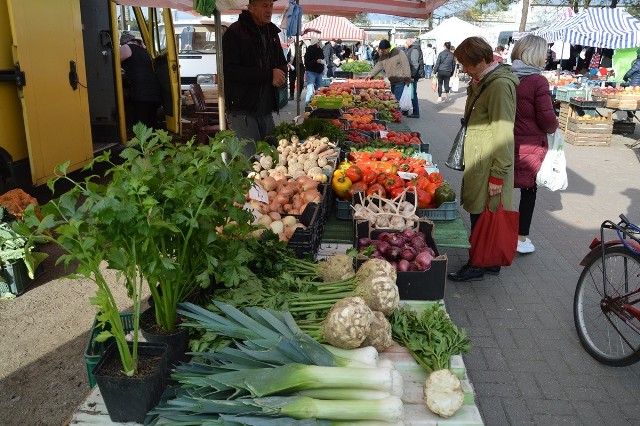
x,y
587,139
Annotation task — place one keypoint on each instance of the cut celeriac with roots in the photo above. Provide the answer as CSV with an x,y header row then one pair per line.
x,y
348,323
443,393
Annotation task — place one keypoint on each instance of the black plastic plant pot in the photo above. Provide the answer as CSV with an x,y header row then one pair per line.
x,y
128,399
177,341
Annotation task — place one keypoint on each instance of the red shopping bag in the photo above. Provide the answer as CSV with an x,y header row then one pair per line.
x,y
494,238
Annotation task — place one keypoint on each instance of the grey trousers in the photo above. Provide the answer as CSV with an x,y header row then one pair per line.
x,y
256,128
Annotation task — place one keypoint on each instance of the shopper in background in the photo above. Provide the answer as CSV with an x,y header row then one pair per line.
x,y
361,51
416,65
429,60
254,70
535,118
145,94
339,49
498,54
295,73
314,64
395,65
489,145
329,56
445,65
633,75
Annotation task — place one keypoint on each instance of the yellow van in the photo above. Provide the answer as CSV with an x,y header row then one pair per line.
x,y
61,84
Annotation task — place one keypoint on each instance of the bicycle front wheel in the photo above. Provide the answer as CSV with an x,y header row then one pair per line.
x,y
606,332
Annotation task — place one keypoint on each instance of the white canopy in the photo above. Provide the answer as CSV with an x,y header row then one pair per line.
x,y
454,30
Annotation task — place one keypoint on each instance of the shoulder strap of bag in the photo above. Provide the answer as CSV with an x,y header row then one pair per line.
x,y
473,104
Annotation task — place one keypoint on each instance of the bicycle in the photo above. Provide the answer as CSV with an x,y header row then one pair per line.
x,y
606,304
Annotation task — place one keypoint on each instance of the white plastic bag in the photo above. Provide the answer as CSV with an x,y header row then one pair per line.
x,y
454,85
405,99
553,171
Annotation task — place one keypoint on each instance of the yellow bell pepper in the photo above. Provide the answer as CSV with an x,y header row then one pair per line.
x,y
341,184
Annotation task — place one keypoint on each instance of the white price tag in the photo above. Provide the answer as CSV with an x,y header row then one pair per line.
x,y
256,214
407,175
383,133
258,193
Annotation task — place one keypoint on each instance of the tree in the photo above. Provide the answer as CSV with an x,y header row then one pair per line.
x,y
525,15
360,20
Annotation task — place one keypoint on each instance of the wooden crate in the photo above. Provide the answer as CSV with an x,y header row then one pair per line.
x,y
587,139
589,132
577,125
565,113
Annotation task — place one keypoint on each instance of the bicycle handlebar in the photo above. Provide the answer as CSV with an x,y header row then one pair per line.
x,y
625,229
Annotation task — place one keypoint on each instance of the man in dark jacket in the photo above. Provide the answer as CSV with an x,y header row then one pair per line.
x,y
416,64
314,63
329,55
145,94
254,71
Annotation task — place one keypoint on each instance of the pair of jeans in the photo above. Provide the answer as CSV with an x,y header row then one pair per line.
x,y
428,70
527,204
314,82
255,127
414,97
397,89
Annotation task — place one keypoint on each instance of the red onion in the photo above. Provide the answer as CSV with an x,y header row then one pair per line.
x,y
364,242
418,243
383,246
403,266
408,234
384,236
423,261
408,253
396,240
392,253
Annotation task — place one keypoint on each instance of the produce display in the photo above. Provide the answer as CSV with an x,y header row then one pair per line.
x,y
356,67
406,250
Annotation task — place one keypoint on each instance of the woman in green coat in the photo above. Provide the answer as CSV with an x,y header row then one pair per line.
x,y
489,144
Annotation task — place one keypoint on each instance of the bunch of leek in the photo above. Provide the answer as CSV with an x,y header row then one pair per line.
x,y
277,373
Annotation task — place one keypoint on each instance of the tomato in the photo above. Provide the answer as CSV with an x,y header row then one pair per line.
x,y
376,188
435,177
353,173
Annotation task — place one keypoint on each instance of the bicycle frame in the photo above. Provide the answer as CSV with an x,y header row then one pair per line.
x,y
621,304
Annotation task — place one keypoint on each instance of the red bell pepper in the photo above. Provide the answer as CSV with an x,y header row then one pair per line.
x,y
376,188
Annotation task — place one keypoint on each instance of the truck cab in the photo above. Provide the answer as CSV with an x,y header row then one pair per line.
x,y
63,97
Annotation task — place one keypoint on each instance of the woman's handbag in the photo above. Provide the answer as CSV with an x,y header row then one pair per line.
x,y
454,83
456,156
455,160
434,83
553,171
494,238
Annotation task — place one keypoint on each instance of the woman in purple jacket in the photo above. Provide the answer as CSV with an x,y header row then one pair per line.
x,y
535,118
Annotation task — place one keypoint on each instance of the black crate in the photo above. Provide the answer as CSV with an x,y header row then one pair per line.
x,y
326,113
425,285
306,242
343,74
621,127
587,104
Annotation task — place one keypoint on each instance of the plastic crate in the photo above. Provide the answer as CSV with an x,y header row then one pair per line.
x,y
623,127
326,102
306,242
344,210
587,104
566,93
447,211
93,350
17,278
343,74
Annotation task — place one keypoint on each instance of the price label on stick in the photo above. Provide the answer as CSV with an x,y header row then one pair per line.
x,y
258,193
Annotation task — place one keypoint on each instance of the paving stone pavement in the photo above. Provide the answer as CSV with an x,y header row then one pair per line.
x,y
526,364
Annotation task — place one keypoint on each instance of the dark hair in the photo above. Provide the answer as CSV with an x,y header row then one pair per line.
x,y
429,45
474,50
447,44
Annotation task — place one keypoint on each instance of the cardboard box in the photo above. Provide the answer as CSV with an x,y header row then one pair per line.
x,y
426,285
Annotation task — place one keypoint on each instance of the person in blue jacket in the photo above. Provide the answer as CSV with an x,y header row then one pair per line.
x,y
633,75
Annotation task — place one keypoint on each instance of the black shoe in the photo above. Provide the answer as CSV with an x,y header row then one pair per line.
x,y
467,273
413,116
493,270
405,113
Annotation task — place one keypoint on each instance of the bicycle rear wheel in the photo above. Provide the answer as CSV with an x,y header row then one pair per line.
x,y
607,337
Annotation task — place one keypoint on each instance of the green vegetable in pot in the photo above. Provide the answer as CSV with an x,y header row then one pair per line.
x,y
443,194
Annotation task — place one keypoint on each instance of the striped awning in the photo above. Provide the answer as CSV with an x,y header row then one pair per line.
x,y
596,27
332,27
407,8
